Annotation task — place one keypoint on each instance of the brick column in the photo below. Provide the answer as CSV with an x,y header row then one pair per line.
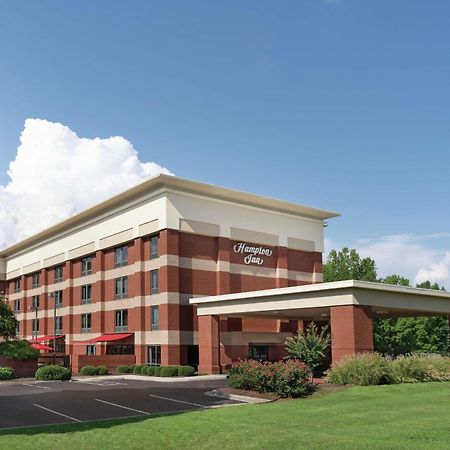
x,y
208,344
351,331
282,267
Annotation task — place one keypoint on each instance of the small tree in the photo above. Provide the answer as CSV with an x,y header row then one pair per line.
x,y
8,321
309,346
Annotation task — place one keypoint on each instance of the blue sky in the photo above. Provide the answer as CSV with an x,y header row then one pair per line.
x,y
340,104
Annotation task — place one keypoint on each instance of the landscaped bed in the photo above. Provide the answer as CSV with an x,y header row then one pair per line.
x,y
409,416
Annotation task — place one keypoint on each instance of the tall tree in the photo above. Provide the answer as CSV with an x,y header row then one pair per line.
x,y
8,321
348,265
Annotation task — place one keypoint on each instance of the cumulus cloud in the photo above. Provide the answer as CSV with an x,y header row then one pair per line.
x,y
56,174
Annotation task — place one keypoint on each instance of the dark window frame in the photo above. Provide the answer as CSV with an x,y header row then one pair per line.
x,y
121,256
154,246
121,320
86,266
86,323
154,289
86,294
121,288
59,274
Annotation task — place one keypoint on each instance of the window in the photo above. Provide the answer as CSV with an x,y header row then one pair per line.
x,y
86,323
154,247
58,299
35,301
121,256
155,317
121,287
86,266
17,285
35,280
90,350
258,352
121,320
120,349
36,326
58,325
16,306
17,328
60,348
154,288
58,274
154,355
86,294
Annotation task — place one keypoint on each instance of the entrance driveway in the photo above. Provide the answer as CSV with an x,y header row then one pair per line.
x,y
43,403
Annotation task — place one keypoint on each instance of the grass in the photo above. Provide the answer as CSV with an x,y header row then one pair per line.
x,y
409,416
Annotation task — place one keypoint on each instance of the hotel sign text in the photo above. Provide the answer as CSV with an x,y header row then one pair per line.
x,y
253,255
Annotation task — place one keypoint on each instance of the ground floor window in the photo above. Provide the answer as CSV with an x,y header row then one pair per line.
x,y
154,355
61,348
120,349
90,350
258,352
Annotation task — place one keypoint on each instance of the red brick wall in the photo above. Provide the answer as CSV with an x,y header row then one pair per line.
x,y
26,368
110,361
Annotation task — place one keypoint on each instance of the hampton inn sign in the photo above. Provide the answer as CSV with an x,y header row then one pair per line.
x,y
253,255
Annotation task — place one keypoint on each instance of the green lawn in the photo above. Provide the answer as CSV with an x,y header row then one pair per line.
x,y
381,417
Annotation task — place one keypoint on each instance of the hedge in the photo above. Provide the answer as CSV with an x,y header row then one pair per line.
x,y
18,349
286,378
157,371
53,373
169,371
149,370
102,370
88,370
7,373
185,371
124,369
372,369
138,369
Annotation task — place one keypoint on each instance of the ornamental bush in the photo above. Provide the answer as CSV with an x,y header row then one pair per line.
x,y
18,349
88,370
138,369
53,373
149,370
157,372
169,371
102,370
124,369
286,378
7,373
185,371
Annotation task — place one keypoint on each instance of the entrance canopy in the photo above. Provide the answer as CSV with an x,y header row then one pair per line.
x,y
313,301
47,338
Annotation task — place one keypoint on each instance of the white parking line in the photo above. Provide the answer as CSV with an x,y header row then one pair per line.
x,y
178,401
123,407
35,386
56,412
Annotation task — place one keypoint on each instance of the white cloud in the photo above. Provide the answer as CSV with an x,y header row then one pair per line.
x,y
438,272
56,174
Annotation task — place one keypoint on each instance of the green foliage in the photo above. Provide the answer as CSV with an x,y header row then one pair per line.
x,y
7,373
125,369
8,321
310,346
348,265
138,369
88,370
18,349
372,368
53,373
185,371
102,370
363,369
286,378
169,371
150,371
157,371
399,336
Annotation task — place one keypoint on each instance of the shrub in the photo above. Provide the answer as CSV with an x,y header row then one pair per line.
x,y
102,370
157,372
7,373
53,373
88,370
138,369
363,369
169,371
132,367
185,371
419,368
124,369
309,346
18,349
149,370
286,378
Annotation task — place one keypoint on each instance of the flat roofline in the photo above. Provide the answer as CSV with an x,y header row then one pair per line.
x,y
320,287
177,183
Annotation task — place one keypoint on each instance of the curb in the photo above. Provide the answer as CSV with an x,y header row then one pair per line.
x,y
239,398
147,378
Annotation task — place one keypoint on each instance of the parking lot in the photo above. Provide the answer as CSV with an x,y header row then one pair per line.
x,y
42,403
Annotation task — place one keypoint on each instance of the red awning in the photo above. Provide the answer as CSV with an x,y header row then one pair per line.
x,y
46,338
42,347
110,337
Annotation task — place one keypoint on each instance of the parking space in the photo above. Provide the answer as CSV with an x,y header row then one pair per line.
x,y
29,403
